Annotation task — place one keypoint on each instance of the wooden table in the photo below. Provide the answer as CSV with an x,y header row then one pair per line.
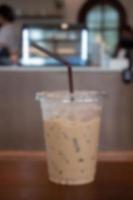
x,y
24,179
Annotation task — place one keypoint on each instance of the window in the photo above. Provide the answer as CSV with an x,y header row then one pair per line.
x,y
104,19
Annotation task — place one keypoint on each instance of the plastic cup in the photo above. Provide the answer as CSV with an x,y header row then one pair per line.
x,y
71,132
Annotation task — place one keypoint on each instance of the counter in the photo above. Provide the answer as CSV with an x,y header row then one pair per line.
x,y
25,179
20,116
61,68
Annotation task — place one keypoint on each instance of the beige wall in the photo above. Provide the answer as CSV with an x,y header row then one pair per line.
x,y
128,4
32,7
48,7
73,6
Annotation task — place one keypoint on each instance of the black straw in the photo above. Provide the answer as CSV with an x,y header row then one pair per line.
x,y
63,61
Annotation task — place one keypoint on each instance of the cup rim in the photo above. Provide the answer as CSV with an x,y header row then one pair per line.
x,y
60,95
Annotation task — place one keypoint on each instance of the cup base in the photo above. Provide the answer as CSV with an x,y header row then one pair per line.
x,y
70,182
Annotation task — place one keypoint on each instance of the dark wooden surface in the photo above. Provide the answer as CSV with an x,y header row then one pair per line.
x,y
27,180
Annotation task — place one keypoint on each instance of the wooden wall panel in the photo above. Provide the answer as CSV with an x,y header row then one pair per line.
x,y
20,116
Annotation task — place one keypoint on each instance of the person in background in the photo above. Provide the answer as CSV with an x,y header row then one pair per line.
x,y
124,44
8,36
125,50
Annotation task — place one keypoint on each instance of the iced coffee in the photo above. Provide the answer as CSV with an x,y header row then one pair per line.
x,y
71,135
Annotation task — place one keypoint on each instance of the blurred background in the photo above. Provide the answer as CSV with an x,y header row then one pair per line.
x,y
88,34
